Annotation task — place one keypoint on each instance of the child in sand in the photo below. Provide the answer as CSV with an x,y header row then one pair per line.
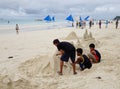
x,y
83,60
94,55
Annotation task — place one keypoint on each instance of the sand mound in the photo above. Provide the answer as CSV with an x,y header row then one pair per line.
x,y
71,36
6,82
37,66
78,44
43,66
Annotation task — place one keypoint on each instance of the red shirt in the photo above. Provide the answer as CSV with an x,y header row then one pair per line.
x,y
95,55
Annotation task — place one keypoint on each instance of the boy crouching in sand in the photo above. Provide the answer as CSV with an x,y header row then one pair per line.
x,y
94,54
83,60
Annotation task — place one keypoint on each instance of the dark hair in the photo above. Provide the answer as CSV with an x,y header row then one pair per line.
x,y
56,41
79,50
92,45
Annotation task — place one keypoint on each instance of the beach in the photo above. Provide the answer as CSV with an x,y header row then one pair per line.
x,y
28,61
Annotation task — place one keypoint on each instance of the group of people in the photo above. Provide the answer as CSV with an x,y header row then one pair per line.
x,y
67,50
80,24
105,22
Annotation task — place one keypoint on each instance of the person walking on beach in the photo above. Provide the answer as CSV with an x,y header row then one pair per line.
x,y
106,22
66,50
17,29
100,24
116,23
77,24
94,54
90,24
83,60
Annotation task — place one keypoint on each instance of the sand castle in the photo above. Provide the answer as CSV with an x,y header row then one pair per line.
x,y
87,36
88,39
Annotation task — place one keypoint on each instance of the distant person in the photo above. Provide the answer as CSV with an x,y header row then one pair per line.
x,y
83,60
94,55
66,50
72,24
17,29
90,24
106,22
8,21
100,24
80,24
93,22
116,23
77,24
84,24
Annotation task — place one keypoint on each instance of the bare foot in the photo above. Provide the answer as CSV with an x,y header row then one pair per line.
x,y
75,73
60,73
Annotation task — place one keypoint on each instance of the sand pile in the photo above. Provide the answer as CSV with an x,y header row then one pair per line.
x,y
78,44
43,66
71,36
39,65
6,82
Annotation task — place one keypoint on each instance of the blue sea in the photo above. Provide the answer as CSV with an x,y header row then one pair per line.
x,y
29,22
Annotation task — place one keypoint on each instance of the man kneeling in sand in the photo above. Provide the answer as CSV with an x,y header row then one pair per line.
x,y
66,50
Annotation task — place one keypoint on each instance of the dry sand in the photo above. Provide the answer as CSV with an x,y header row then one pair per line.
x,y
28,60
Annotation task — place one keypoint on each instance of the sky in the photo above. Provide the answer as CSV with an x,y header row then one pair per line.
x,y
99,9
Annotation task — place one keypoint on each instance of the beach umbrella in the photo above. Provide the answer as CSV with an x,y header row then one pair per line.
x,y
47,18
86,18
70,18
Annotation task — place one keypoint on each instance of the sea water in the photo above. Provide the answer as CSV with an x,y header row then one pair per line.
x,y
30,25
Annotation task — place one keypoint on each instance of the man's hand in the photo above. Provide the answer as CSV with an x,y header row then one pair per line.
x,y
57,54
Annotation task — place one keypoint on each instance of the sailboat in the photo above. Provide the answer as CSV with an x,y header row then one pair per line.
x,y
86,18
70,18
48,18
53,18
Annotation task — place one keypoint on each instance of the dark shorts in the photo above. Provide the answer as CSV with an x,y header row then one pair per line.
x,y
65,57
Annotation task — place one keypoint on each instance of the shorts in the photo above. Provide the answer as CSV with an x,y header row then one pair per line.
x,y
65,57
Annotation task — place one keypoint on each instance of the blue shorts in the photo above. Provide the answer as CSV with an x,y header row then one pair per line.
x,y
65,57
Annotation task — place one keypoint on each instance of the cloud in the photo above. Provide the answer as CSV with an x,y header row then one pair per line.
x,y
11,12
108,8
94,8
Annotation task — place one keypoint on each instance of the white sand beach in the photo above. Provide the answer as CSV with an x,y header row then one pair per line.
x,y
28,61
